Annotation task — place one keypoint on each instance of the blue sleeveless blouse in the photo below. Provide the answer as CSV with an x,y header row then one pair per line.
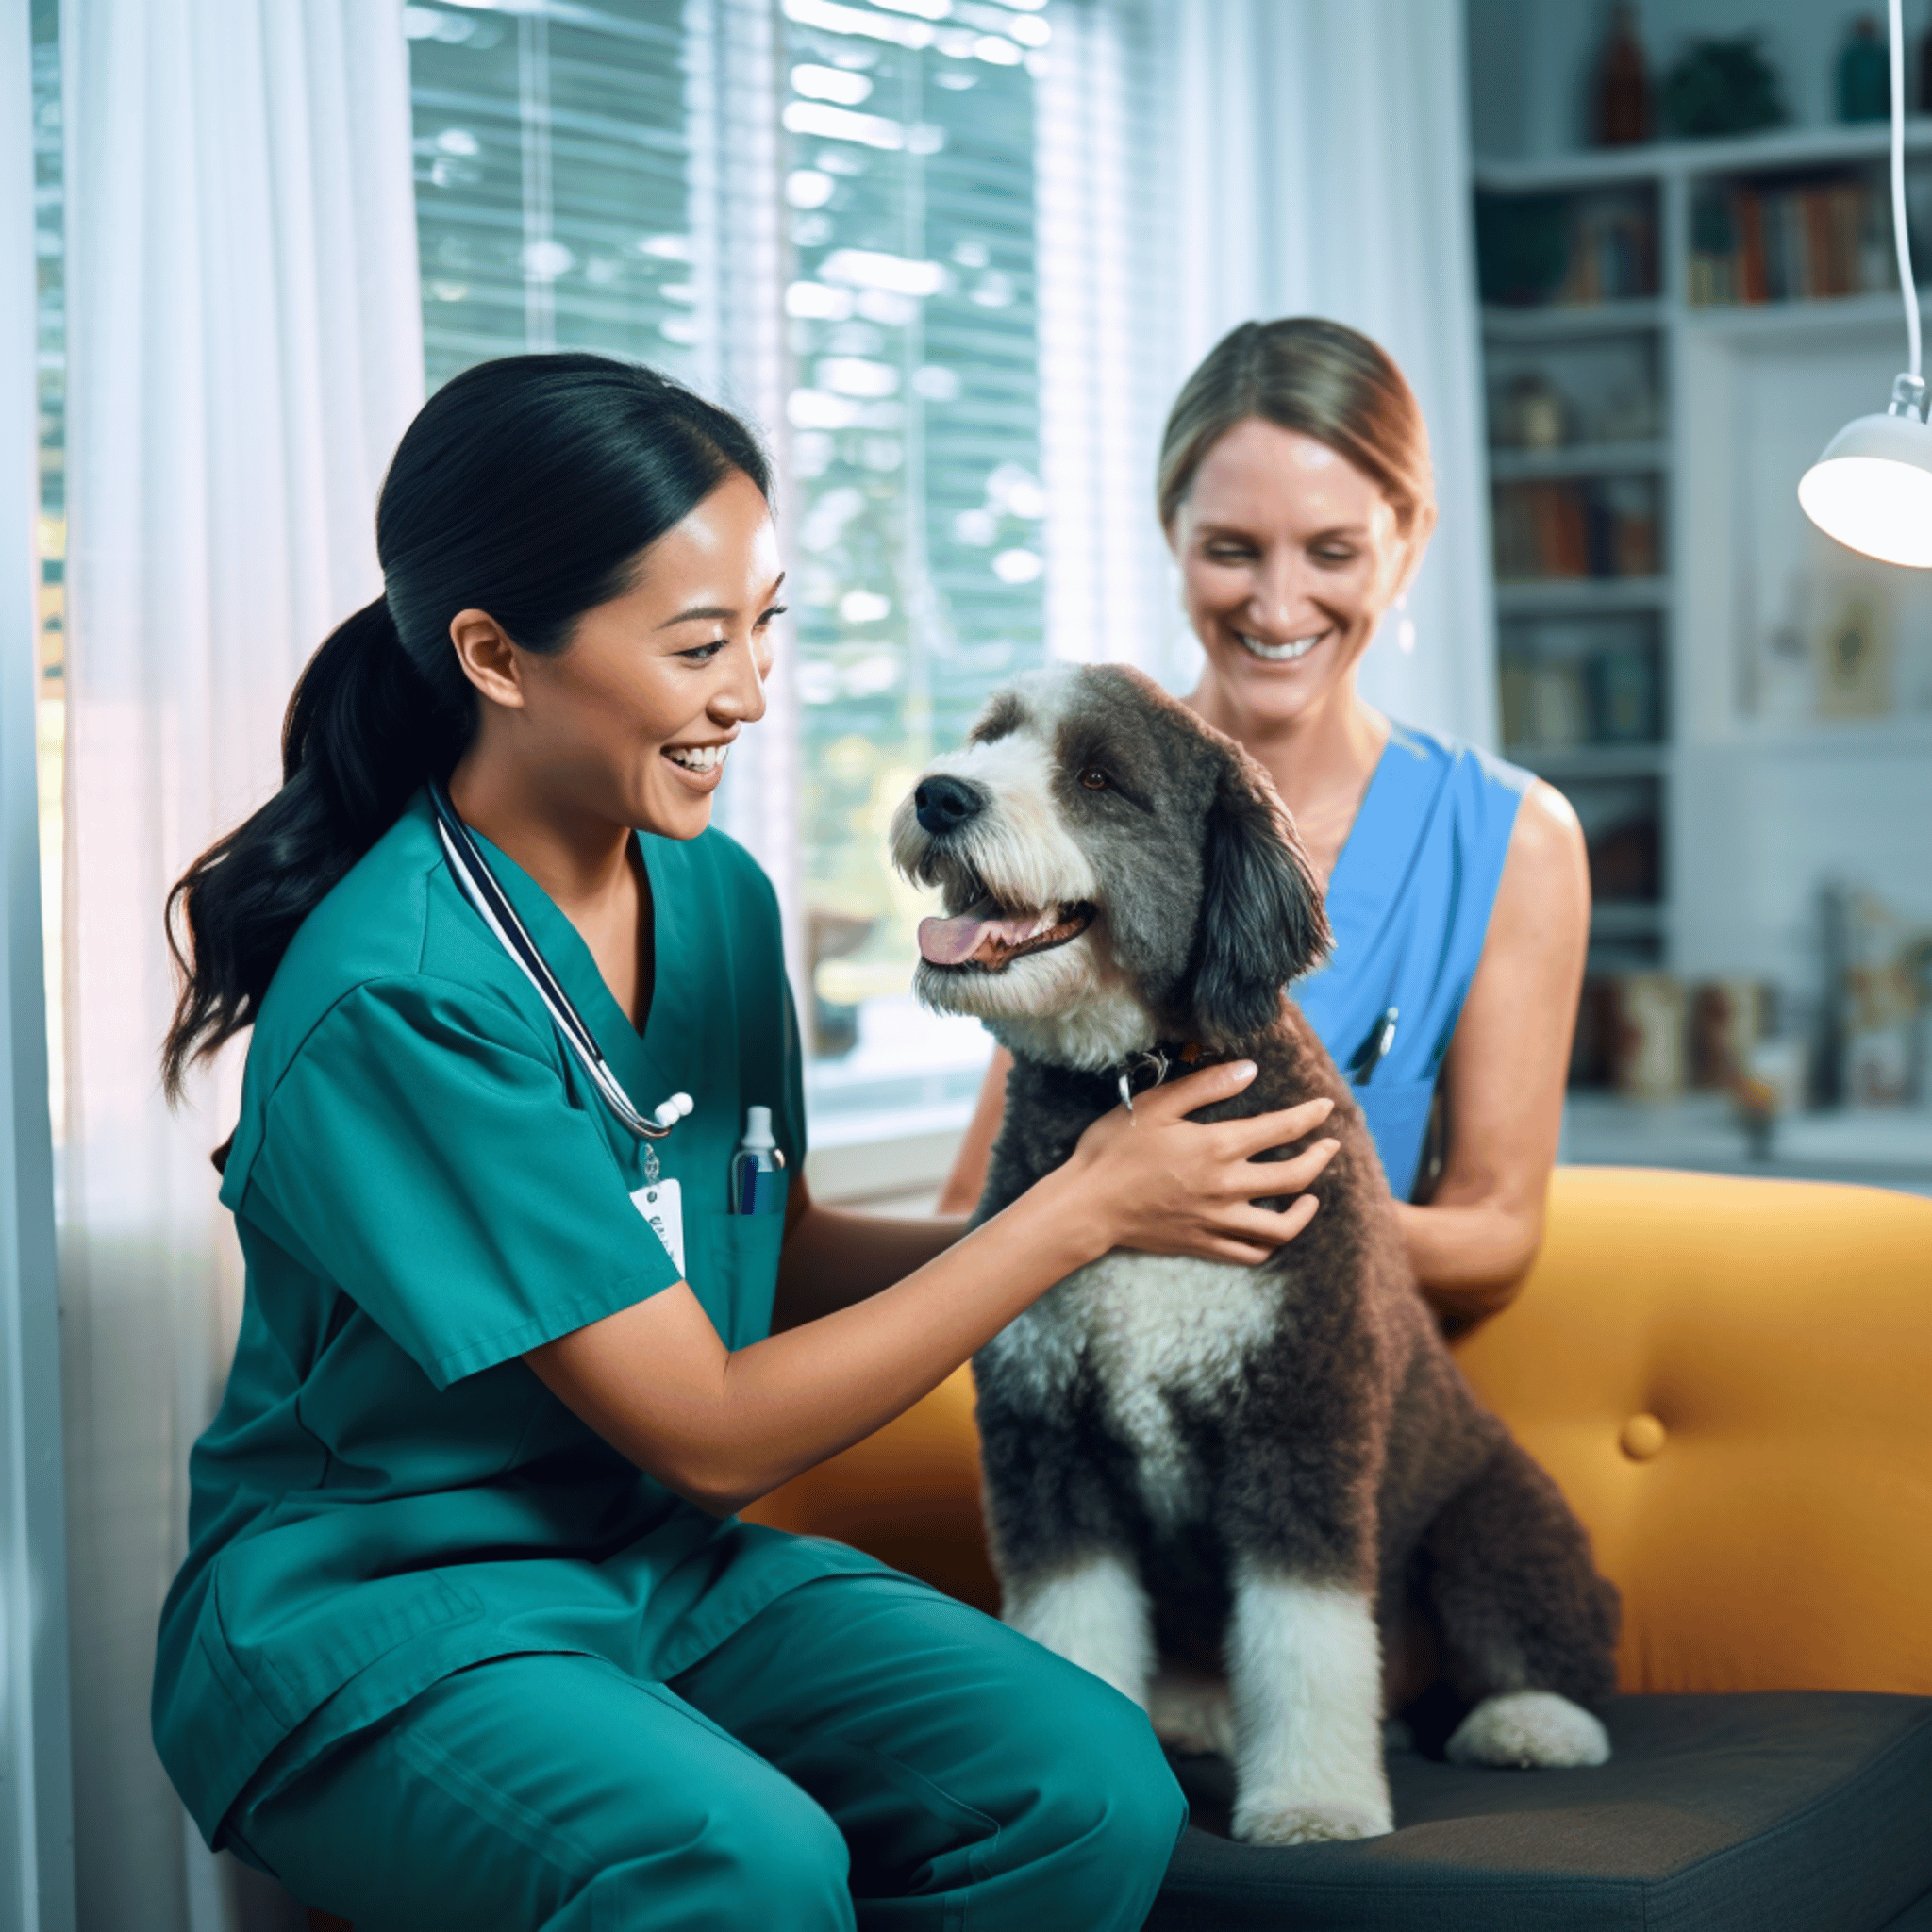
x,y
1409,903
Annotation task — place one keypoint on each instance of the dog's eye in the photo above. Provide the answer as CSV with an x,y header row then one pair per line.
x,y
1094,778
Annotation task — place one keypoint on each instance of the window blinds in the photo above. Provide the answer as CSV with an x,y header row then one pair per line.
x,y
956,259
823,214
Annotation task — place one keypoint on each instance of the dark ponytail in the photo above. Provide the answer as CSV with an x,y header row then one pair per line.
x,y
528,488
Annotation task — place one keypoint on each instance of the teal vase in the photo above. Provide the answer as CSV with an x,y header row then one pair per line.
x,y
1864,75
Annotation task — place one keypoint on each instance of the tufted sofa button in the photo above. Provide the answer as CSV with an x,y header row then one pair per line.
x,y
1641,1437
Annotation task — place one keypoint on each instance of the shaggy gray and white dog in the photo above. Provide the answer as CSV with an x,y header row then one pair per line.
x,y
1265,1462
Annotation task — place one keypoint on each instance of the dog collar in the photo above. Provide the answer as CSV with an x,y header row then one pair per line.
x,y
1156,1059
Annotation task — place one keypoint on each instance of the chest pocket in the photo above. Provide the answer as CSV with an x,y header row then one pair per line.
x,y
741,1271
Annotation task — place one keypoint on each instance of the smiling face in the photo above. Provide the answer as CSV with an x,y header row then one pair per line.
x,y
631,722
1289,554
1112,873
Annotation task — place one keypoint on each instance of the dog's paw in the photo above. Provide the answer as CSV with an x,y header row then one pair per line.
x,y
1529,1730
1192,1712
1305,1822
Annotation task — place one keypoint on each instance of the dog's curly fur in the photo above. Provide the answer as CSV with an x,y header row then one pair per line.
x,y
1264,1464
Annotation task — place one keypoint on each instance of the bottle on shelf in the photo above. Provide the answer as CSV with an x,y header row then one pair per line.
x,y
1533,415
1622,108
1864,72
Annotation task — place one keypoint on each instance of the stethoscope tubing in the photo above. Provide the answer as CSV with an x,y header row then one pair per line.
x,y
483,891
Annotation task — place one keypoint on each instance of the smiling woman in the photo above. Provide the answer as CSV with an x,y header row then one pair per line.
x,y
630,726
464,1574
1296,493
608,459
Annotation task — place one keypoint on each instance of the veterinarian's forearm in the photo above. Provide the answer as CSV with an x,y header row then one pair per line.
x,y
722,1428
1470,1257
834,1258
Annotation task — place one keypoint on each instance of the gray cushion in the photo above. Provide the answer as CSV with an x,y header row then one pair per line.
x,y
1776,1811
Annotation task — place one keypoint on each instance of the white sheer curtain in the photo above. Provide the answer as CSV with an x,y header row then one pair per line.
x,y
244,348
1109,343
1211,162
732,74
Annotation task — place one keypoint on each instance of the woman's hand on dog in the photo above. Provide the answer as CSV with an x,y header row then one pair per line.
x,y
1167,1185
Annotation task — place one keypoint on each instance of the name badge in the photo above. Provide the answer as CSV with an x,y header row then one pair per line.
x,y
661,1205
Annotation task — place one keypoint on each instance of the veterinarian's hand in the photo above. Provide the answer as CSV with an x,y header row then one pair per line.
x,y
1168,1185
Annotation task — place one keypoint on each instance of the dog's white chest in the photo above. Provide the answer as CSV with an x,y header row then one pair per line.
x,y
1149,1327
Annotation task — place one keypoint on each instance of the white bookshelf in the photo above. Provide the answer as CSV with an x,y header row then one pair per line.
x,y
1584,595
1781,150
1725,448
1569,319
1577,460
1768,319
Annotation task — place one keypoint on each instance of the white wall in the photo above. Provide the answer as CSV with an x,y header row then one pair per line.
x,y
1530,60
1765,829
1768,808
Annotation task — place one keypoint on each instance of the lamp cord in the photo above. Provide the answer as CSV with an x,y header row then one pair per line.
x,y
1908,287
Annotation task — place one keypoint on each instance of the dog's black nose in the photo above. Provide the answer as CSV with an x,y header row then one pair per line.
x,y
944,805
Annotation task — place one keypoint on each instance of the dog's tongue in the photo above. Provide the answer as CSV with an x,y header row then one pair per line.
x,y
953,941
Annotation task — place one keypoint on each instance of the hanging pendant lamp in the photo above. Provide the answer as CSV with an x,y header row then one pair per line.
x,y
1872,489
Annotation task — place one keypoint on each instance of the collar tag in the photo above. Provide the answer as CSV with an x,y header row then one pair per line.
x,y
1154,1060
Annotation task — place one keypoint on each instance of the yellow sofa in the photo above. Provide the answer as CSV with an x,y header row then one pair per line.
x,y
1731,1381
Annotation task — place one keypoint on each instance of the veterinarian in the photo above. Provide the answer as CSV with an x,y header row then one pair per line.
x,y
467,1636
1296,494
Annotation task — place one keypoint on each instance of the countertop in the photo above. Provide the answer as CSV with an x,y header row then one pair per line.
x,y
1881,1149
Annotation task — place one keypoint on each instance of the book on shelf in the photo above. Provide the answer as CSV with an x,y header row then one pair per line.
x,y
1606,696
1566,250
1623,696
1623,859
1612,256
1544,703
1795,241
1566,528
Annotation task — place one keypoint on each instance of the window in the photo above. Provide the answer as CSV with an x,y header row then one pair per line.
x,y
914,421
567,166
551,182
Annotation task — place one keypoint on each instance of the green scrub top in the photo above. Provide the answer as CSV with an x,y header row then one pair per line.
x,y
426,1184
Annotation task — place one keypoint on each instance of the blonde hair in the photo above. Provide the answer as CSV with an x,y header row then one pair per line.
x,y
1305,374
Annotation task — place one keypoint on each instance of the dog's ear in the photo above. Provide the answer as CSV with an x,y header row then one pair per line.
x,y
1261,918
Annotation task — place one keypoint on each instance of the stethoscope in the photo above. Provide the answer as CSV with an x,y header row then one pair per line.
x,y
480,887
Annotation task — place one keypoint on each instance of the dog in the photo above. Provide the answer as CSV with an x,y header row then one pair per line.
x,y
1264,1464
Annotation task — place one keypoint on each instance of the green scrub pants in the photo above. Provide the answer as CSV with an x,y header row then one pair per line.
x,y
863,1751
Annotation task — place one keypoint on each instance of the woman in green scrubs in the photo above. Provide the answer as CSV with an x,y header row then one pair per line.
x,y
468,1634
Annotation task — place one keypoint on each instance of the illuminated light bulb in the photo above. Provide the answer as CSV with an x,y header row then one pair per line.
x,y
1872,489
